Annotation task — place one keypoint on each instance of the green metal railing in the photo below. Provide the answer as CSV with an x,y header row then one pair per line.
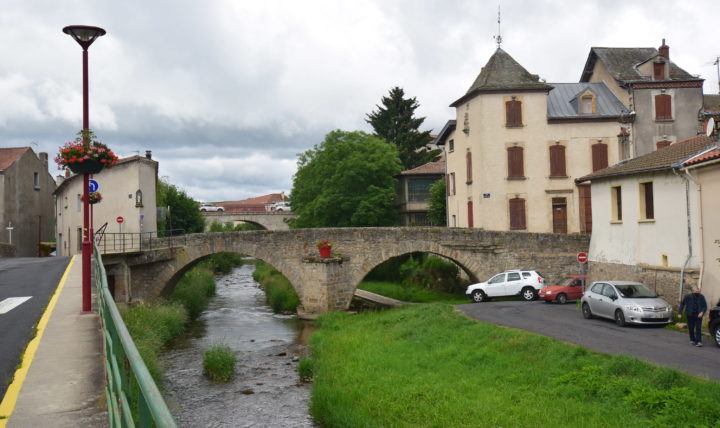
x,y
133,399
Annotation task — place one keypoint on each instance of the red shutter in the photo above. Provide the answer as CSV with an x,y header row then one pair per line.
x,y
659,71
513,113
663,110
470,214
557,161
468,161
662,144
515,162
599,156
517,214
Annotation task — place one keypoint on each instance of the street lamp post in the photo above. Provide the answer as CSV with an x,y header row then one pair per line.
x,y
85,36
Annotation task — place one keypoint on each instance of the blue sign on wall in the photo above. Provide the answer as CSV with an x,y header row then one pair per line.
x,y
93,186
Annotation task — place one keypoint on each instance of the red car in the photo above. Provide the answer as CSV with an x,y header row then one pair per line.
x,y
572,290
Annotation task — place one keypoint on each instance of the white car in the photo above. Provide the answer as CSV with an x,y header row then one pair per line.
x,y
525,283
625,302
211,208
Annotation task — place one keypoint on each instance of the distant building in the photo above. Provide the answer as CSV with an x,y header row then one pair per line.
x,y
710,110
413,194
26,200
128,190
664,98
266,203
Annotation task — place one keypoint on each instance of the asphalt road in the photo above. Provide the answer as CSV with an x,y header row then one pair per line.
x,y
36,278
654,344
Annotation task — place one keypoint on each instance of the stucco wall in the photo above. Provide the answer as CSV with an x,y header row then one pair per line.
x,y
709,179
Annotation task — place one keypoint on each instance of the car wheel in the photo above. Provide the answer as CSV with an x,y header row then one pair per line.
x,y
220,210
587,313
203,210
529,293
619,318
561,298
715,332
479,296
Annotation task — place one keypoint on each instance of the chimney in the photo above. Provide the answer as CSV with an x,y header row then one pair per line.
x,y
148,154
43,158
664,50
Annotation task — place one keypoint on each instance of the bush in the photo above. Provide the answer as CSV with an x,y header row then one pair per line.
x,y
279,293
222,263
194,290
432,272
219,363
306,369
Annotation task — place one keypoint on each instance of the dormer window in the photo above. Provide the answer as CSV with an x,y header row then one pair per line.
x,y
659,71
587,103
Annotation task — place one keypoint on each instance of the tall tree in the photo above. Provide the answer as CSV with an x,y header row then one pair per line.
x,y
183,213
395,121
347,180
437,213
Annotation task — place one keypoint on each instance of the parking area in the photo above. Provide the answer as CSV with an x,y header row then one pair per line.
x,y
654,344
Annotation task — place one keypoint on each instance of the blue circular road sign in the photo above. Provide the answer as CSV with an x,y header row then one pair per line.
x,y
93,186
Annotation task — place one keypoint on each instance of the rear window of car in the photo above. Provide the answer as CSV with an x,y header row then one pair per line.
x,y
526,274
513,276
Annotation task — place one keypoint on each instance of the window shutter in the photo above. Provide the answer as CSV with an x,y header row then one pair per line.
x,y
659,71
662,144
470,214
447,185
663,109
452,179
513,113
599,156
515,162
468,161
557,161
649,208
517,214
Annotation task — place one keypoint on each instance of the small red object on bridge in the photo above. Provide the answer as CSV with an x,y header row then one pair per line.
x,y
325,251
582,257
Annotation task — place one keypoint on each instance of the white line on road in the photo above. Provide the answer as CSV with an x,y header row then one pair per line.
x,y
11,303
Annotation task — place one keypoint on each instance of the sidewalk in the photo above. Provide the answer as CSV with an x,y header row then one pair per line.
x,y
65,383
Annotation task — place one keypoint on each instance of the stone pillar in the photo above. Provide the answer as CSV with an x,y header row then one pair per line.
x,y
325,286
121,272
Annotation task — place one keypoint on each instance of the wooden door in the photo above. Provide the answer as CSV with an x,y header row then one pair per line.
x,y
559,209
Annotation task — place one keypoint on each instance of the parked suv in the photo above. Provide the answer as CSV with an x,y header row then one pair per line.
x,y
714,324
525,283
211,208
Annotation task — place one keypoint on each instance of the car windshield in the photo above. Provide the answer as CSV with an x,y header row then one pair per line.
x,y
635,291
572,282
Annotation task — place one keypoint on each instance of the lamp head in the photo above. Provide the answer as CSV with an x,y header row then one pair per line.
x,y
85,35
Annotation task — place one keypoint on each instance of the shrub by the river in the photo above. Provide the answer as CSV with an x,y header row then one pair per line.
x,y
305,369
194,290
279,292
219,363
428,365
222,263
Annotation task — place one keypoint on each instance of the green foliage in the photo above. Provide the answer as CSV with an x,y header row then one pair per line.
x,y
348,180
219,363
222,263
194,290
409,292
183,214
216,226
437,213
419,270
394,121
279,293
151,327
306,369
429,366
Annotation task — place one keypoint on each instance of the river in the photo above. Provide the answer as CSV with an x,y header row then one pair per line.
x,y
266,390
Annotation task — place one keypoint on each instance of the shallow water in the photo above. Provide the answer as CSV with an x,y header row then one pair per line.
x,y
266,390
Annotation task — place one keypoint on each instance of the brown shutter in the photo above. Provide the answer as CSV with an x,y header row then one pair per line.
x,y
585,208
663,110
649,208
470,214
468,161
515,162
557,161
447,185
513,113
658,71
452,178
599,156
517,214
662,144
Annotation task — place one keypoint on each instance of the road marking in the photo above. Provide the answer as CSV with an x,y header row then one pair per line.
x,y
11,303
7,405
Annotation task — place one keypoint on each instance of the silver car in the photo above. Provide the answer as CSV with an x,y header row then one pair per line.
x,y
625,302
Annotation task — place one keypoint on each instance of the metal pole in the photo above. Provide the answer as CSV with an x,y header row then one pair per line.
x,y
86,243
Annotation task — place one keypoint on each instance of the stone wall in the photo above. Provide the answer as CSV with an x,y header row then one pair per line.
x,y
7,250
664,281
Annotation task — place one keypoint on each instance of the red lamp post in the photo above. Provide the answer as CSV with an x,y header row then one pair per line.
x,y
85,36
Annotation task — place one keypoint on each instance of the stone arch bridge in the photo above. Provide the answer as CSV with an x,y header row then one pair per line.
x,y
328,284
276,220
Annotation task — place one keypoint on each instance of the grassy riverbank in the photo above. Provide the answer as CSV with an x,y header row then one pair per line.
x,y
409,292
279,293
428,365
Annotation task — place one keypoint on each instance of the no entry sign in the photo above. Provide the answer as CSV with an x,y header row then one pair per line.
x,y
582,257
120,219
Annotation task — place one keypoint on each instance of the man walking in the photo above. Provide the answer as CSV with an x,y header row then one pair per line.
x,y
695,306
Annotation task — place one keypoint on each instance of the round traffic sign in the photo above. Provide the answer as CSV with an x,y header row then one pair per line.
x,y
582,257
120,219
93,186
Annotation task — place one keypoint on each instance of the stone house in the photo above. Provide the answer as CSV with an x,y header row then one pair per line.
x,y
647,219
128,190
664,99
265,203
413,192
517,145
26,201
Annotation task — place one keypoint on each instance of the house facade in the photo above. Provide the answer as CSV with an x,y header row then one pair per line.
x,y
413,192
27,215
128,191
265,203
647,220
664,99
517,145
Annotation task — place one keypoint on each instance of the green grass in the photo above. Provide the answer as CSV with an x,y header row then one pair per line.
x,y
409,292
279,293
429,366
219,363
194,290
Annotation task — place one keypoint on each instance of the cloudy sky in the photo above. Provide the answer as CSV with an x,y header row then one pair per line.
x,y
226,92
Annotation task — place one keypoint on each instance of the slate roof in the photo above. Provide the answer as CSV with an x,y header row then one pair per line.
x,y
622,64
502,72
428,168
445,132
711,103
563,101
9,155
659,160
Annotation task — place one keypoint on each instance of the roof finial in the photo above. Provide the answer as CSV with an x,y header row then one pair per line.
x,y
498,38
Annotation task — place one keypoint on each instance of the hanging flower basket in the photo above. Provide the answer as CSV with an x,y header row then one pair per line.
x,y
324,247
94,197
85,158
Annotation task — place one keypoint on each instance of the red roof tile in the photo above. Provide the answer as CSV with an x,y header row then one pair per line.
x,y
703,157
259,200
428,168
9,155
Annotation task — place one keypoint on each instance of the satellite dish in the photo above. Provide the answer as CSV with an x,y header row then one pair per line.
x,y
710,127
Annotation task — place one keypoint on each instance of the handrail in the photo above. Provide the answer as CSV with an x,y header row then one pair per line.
x,y
132,396
129,242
